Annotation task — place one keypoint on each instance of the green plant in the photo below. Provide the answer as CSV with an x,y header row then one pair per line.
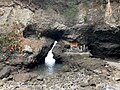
x,y
71,10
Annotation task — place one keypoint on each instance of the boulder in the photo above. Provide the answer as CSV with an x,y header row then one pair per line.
x,y
22,77
5,72
20,60
78,62
15,60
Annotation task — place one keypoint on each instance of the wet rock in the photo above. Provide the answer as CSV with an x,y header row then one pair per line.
x,y
22,77
5,72
66,68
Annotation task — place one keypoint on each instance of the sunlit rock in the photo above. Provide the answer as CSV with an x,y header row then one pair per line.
x,y
27,49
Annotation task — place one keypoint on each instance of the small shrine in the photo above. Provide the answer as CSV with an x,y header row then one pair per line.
x,y
73,44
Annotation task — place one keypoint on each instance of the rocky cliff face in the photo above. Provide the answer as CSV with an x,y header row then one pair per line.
x,y
94,23
29,28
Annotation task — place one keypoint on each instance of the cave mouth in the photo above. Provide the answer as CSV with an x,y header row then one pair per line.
x,y
53,34
44,61
50,65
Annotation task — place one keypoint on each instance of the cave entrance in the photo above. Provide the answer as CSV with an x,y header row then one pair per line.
x,y
50,66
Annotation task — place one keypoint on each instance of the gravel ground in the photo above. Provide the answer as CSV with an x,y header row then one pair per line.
x,y
80,79
65,81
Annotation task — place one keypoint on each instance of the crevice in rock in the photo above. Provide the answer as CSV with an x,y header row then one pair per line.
x,y
30,31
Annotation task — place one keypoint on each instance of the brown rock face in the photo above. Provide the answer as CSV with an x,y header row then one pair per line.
x,y
33,43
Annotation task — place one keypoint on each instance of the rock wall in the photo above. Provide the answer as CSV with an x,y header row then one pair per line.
x,y
94,23
104,41
47,13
